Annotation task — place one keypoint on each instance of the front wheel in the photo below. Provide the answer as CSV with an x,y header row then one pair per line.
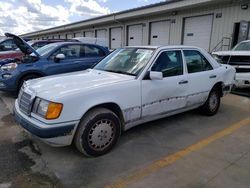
x,y
212,104
98,132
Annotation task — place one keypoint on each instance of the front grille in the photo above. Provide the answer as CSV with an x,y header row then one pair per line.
x,y
242,70
25,102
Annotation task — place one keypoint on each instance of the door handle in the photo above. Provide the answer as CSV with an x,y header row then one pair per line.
x,y
212,76
183,82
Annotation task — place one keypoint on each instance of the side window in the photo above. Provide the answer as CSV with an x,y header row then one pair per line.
x,y
9,44
196,62
91,51
70,51
169,63
39,45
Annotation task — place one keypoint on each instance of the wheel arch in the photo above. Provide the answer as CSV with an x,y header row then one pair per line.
x,y
110,106
219,86
38,73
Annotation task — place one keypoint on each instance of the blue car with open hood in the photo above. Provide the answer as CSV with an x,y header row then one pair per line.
x,y
55,58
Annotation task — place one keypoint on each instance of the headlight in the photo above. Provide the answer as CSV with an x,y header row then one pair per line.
x,y
47,109
9,67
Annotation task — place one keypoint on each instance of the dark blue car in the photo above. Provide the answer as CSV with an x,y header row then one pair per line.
x,y
55,58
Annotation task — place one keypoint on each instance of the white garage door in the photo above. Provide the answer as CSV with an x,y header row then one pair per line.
x,y
135,35
88,34
197,31
159,33
79,34
116,37
69,36
101,33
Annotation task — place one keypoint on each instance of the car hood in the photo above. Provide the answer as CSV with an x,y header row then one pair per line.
x,y
9,52
6,61
72,83
234,53
22,45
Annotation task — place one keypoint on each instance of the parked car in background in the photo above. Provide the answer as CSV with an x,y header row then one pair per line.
x,y
17,54
54,58
7,44
12,54
91,40
239,57
40,43
130,86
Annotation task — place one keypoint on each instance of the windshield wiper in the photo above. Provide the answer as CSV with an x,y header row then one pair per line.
x,y
121,72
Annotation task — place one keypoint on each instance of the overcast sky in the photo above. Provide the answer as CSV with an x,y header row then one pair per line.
x,y
23,16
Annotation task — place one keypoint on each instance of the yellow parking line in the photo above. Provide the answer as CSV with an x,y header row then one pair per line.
x,y
164,162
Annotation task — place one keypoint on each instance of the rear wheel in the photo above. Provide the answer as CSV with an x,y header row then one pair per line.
x,y
98,132
212,104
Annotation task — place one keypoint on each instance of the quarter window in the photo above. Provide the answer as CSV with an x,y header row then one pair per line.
x,y
196,62
169,63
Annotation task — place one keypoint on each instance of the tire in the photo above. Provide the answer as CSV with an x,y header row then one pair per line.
x,y
98,132
25,78
212,104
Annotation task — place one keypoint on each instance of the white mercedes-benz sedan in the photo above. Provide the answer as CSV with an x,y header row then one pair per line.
x,y
131,86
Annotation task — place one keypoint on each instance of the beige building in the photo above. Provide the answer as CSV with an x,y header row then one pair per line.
x,y
210,24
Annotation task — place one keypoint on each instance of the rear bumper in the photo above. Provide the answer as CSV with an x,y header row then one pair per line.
x,y
226,89
53,134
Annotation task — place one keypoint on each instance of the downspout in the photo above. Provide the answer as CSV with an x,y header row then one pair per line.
x,y
124,30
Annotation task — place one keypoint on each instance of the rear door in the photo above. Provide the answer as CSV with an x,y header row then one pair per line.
x,y
201,77
90,55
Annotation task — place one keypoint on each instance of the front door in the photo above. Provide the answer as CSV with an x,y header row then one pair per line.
x,y
71,62
169,94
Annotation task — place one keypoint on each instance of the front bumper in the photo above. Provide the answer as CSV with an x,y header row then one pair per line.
x,y
53,134
7,84
242,80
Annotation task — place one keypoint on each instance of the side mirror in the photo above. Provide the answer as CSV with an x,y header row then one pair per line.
x,y
154,75
59,57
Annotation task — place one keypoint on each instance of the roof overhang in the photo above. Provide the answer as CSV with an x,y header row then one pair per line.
x,y
154,9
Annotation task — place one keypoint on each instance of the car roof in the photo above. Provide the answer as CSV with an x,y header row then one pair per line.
x,y
76,42
245,41
54,40
165,47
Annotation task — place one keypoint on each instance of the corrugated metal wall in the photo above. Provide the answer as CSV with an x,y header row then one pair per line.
x,y
223,26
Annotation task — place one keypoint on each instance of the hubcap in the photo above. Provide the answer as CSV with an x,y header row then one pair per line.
x,y
101,134
213,101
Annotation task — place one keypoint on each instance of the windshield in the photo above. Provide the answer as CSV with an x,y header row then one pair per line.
x,y
128,61
243,46
45,49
